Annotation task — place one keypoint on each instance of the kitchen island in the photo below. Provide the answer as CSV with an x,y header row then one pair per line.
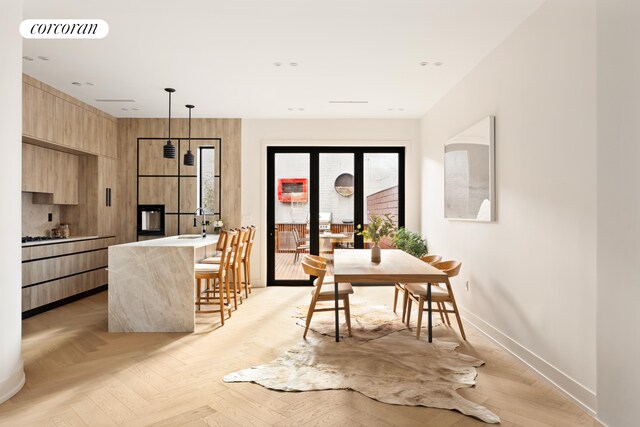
x,y
151,283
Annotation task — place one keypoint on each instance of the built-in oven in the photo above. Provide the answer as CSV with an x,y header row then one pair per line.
x,y
151,220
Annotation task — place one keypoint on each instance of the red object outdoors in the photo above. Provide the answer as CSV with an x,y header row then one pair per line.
x,y
292,190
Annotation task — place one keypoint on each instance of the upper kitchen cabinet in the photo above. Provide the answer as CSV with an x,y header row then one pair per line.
x,y
54,117
41,113
108,138
73,123
52,174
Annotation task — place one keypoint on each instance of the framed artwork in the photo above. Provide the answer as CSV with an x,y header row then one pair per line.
x,y
469,173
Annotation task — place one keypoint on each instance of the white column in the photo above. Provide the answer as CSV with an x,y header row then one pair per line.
x,y
618,336
11,370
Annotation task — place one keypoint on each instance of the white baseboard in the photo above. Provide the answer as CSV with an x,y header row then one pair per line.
x,y
580,394
12,384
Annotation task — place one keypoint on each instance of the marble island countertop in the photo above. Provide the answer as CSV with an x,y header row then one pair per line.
x,y
183,240
151,283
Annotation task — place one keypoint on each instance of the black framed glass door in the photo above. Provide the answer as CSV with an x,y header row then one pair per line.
x,y
316,196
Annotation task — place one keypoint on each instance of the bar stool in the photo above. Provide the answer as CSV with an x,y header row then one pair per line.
x,y
246,260
215,278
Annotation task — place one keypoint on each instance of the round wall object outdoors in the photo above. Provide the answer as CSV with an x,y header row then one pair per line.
x,y
344,184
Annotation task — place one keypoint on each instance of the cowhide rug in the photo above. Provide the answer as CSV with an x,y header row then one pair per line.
x,y
368,322
395,369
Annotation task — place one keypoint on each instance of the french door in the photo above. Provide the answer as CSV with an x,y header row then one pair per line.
x,y
316,198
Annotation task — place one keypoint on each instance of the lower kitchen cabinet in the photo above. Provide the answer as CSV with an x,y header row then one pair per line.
x,y
56,273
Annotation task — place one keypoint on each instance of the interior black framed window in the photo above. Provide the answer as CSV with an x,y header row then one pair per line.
x,y
208,180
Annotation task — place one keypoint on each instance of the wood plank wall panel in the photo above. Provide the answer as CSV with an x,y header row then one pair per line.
x,y
154,164
129,130
188,194
159,191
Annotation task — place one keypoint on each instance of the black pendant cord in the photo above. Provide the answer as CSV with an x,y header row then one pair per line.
x,y
169,117
169,151
190,107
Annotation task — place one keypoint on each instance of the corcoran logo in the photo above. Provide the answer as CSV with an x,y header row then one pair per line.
x,y
64,29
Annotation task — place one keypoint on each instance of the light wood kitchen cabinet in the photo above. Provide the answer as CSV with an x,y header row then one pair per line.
x,y
50,173
38,113
59,272
73,127
107,179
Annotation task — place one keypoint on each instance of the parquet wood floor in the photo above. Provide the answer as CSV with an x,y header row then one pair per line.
x,y
80,375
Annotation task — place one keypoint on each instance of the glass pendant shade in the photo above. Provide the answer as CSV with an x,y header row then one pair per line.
x,y
169,151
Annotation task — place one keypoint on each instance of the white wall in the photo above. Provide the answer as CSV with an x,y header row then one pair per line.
x,y
11,371
258,134
532,273
618,335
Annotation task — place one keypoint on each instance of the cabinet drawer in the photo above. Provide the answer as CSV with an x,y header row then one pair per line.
x,y
43,270
46,293
64,248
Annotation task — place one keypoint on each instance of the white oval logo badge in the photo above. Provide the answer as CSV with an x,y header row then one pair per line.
x,y
64,29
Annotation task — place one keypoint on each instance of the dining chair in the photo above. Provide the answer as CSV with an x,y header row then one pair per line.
x,y
400,287
319,262
319,294
302,244
440,295
215,279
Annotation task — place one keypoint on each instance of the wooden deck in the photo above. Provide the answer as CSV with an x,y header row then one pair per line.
x,y
287,269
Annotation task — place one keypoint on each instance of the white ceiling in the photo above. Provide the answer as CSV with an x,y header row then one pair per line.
x,y
219,55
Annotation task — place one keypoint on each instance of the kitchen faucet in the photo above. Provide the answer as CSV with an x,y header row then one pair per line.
x,y
203,222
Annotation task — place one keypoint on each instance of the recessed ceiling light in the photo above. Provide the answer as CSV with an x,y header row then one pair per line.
x,y
124,109
424,63
135,109
437,64
300,109
290,109
76,83
88,83
27,58
293,64
400,109
391,109
43,58
277,64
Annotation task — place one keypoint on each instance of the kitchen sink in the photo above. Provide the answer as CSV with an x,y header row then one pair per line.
x,y
190,236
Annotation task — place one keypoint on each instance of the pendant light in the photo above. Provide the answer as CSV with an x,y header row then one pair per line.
x,y
169,149
189,158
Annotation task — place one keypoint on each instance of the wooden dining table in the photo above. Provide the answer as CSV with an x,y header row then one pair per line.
x,y
355,266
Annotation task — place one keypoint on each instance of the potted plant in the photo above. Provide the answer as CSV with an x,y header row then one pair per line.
x,y
410,242
377,228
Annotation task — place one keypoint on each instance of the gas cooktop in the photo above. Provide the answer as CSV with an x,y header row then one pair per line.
x,y
27,239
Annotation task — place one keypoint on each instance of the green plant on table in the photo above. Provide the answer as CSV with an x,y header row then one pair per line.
x,y
378,227
410,242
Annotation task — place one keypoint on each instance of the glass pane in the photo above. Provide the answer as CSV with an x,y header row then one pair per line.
x,y
291,214
209,184
336,185
381,188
